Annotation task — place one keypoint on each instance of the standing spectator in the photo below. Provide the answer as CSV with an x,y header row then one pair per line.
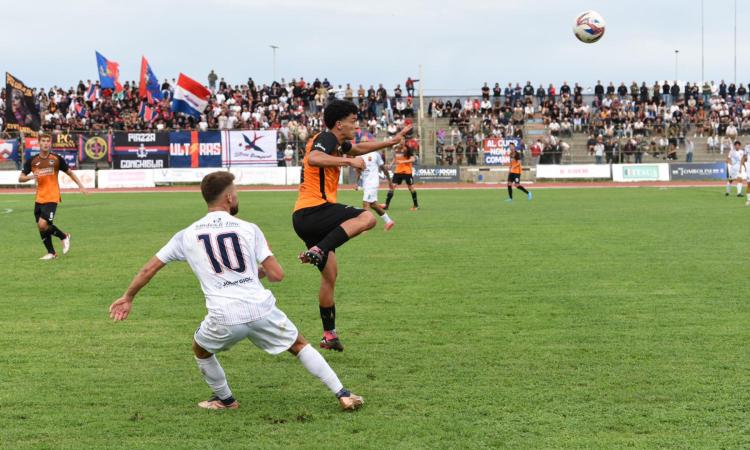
x,y
599,90
289,156
485,92
497,91
540,94
409,87
689,147
212,81
599,150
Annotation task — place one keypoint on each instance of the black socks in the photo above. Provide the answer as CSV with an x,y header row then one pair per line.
x,y
328,316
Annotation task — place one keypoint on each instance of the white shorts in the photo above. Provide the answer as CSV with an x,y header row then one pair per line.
x,y
733,172
274,333
371,195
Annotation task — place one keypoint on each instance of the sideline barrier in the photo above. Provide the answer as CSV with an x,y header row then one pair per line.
x,y
574,171
640,172
134,178
87,177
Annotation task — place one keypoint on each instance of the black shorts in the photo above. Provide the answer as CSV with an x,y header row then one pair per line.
x,y
514,178
314,223
399,177
45,210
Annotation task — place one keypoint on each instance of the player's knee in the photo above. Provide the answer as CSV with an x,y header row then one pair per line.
x,y
200,352
43,225
298,345
369,221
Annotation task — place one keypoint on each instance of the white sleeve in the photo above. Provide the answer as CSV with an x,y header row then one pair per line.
x,y
380,159
173,251
262,250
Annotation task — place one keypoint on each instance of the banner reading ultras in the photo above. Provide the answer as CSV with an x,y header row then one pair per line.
x,y
195,149
140,150
21,113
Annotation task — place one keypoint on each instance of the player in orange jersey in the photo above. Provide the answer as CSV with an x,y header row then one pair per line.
x,y
404,161
321,223
44,168
514,175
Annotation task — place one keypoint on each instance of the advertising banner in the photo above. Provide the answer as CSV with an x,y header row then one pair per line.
x,y
195,149
698,171
497,151
250,148
640,172
9,150
436,174
140,150
573,171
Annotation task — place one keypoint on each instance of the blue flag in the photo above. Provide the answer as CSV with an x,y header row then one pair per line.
x,y
109,73
149,85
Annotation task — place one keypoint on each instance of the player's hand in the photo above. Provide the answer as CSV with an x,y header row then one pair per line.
x,y
356,188
261,273
120,309
405,131
357,163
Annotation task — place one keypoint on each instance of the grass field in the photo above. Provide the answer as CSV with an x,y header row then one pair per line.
x,y
585,318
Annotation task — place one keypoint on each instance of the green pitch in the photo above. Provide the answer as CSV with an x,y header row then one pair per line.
x,y
584,318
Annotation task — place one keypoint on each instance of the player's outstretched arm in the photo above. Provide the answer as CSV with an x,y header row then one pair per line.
x,y
74,177
322,159
24,177
120,308
367,147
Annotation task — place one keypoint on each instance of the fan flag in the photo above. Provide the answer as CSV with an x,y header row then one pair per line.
x,y
109,73
190,97
149,84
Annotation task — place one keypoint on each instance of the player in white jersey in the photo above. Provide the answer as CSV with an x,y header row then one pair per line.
x,y
370,177
229,257
735,161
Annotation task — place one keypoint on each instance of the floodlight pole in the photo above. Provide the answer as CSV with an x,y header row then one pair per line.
x,y
274,48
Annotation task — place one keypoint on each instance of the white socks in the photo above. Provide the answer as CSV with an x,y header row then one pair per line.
x,y
739,188
214,376
317,365
729,187
385,218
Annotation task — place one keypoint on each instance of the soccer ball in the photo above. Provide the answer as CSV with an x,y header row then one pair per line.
x,y
589,27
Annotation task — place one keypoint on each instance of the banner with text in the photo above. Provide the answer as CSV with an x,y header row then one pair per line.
x,y
436,174
640,172
250,148
140,151
21,112
497,151
94,148
195,149
698,171
573,171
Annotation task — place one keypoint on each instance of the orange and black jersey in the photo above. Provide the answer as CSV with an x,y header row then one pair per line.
x,y
515,166
46,170
403,165
319,185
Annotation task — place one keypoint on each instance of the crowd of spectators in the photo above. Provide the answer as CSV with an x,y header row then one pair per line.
x,y
630,121
294,108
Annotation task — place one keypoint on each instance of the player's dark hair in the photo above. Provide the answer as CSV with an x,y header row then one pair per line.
x,y
214,184
337,110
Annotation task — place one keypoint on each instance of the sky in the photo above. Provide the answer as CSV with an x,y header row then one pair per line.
x,y
458,44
